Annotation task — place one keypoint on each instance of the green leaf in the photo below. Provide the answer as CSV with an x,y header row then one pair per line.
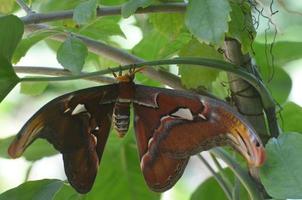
x,y
8,78
193,76
68,193
49,5
34,190
291,117
6,6
241,26
131,6
150,46
219,87
281,174
207,20
120,159
72,54
170,25
102,28
112,2
39,149
279,56
85,12
11,31
28,42
33,88
210,189
280,85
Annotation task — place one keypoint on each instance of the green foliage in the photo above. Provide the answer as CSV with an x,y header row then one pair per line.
x,y
208,20
8,78
34,190
6,6
291,117
169,25
101,28
26,43
241,26
280,85
210,189
193,76
72,54
68,193
281,174
85,12
132,5
33,88
11,31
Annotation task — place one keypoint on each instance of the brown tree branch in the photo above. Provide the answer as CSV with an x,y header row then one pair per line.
x,y
115,54
35,18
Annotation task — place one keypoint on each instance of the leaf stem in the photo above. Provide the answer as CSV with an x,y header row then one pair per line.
x,y
221,171
242,174
25,7
217,177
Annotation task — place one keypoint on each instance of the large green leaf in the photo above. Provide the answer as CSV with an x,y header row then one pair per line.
x,y
241,25
281,174
8,78
50,5
119,175
210,189
33,88
85,12
68,193
112,2
11,31
169,25
102,28
150,46
34,190
39,149
131,6
280,85
208,20
72,54
291,117
29,41
193,76
280,54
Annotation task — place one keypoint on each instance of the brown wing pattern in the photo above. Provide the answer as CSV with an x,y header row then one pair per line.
x,y
77,124
173,125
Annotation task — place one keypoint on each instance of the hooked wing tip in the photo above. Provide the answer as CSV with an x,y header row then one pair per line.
x,y
15,150
260,157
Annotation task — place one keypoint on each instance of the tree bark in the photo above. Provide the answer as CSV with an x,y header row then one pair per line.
x,y
244,96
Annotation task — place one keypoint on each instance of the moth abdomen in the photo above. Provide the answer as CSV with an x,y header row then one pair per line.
x,y
121,117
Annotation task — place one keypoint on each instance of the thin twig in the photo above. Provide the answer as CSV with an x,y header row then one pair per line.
x,y
115,54
241,173
217,177
59,72
103,11
221,170
25,7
